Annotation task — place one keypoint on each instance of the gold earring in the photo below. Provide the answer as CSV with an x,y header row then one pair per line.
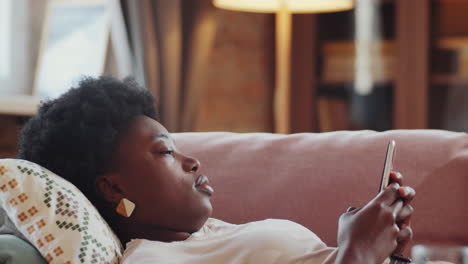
x,y
125,207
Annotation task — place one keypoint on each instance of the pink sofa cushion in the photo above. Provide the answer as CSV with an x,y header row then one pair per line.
x,y
312,178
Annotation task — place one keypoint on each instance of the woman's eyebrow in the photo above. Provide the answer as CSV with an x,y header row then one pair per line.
x,y
166,136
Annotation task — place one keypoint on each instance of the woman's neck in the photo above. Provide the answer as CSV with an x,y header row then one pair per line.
x,y
152,233
127,230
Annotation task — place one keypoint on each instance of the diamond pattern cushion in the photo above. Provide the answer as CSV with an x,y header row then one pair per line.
x,y
55,216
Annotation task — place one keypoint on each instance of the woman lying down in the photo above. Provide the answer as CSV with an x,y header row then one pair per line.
x,y
104,137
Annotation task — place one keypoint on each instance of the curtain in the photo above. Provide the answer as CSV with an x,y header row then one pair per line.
x,y
170,43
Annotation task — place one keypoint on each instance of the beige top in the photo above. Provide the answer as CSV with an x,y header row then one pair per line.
x,y
269,241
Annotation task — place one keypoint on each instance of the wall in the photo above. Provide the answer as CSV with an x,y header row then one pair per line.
x,y
8,136
239,82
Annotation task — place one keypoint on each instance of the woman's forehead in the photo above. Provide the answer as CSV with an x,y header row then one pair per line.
x,y
144,128
148,126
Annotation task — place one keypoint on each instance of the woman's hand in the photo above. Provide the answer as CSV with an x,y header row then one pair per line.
x,y
372,233
404,216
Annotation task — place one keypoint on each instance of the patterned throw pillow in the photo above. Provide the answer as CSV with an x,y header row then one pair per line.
x,y
55,216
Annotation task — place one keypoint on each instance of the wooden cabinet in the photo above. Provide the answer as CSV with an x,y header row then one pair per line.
x,y
420,76
448,81
341,104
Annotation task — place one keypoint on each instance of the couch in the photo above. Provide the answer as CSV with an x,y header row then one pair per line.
x,y
312,178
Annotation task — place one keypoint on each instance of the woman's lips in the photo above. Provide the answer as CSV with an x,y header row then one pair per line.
x,y
203,185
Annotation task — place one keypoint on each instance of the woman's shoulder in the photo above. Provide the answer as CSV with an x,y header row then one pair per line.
x,y
221,238
279,224
215,228
213,225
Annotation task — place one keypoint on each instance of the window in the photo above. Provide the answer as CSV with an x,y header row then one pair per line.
x,y
5,38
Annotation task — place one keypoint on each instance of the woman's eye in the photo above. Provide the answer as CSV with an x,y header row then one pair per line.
x,y
167,152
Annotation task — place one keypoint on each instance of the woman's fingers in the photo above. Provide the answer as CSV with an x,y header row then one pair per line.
x,y
389,195
384,221
395,192
405,214
397,206
406,233
407,193
396,177
404,236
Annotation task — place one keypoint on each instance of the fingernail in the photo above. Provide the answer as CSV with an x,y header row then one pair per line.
x,y
399,175
395,185
409,190
403,191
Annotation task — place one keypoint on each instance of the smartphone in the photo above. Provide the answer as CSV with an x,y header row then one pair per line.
x,y
388,165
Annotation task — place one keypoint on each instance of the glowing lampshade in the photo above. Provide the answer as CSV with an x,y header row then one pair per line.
x,y
293,6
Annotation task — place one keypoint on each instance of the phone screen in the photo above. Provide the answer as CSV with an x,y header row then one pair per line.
x,y
388,165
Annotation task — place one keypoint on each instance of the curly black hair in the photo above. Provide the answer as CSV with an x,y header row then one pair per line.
x,y
76,134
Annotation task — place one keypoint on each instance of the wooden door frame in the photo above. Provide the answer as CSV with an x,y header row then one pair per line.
x,y
411,92
304,52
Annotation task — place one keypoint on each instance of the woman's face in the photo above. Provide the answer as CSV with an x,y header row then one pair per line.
x,y
165,185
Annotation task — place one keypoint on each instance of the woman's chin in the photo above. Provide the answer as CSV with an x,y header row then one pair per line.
x,y
201,220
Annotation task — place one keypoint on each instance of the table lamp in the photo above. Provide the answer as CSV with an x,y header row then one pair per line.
x,y
284,10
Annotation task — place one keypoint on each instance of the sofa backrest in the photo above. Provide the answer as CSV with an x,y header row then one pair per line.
x,y
313,178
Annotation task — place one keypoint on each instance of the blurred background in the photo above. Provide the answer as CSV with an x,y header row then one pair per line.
x,y
383,64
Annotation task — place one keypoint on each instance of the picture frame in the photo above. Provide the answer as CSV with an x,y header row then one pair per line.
x,y
74,44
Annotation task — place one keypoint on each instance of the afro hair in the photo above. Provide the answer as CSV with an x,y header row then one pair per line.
x,y
76,134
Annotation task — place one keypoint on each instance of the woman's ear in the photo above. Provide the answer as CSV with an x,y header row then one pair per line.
x,y
109,189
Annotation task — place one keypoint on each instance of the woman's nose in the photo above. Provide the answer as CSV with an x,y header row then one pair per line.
x,y
191,164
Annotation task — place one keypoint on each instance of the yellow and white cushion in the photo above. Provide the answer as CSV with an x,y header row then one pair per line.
x,y
55,216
